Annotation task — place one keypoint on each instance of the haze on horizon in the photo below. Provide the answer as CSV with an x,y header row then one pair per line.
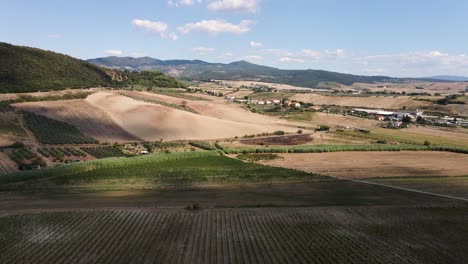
x,y
397,38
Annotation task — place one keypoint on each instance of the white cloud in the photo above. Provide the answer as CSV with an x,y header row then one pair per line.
x,y
252,58
113,52
178,3
437,54
202,50
289,60
250,6
152,26
155,27
416,63
217,26
254,44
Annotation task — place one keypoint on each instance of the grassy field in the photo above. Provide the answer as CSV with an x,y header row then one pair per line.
x,y
177,169
295,235
334,148
270,96
408,137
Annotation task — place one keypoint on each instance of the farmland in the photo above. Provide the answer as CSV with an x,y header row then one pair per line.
x,y
178,169
50,131
381,102
10,128
103,151
133,116
454,186
90,120
300,235
435,137
358,165
6,164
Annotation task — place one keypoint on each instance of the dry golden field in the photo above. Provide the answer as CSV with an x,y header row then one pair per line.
x,y
357,165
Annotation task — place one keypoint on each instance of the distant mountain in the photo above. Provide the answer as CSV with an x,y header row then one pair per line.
x,y
25,69
240,70
450,78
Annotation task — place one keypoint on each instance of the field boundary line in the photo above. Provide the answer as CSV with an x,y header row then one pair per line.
x,y
405,189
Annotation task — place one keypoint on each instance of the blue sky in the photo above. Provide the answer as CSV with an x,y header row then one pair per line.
x,y
371,37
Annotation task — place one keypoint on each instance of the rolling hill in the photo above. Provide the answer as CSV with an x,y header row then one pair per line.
x,y
25,69
240,70
451,78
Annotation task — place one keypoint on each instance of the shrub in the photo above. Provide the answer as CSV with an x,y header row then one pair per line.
x,y
323,128
278,133
427,143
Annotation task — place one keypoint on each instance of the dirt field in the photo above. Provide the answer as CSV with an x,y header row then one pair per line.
x,y
387,102
153,122
279,141
358,165
6,164
220,110
439,131
238,84
235,112
461,109
89,119
11,129
410,87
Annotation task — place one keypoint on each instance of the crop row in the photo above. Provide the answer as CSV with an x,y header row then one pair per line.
x,y
5,106
164,145
280,235
26,159
337,148
203,145
60,153
182,95
141,162
50,131
152,101
104,152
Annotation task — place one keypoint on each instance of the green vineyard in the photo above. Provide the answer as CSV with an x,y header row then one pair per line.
x,y
203,145
276,235
26,159
60,153
103,152
50,131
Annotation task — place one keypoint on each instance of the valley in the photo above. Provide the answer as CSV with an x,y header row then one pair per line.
x,y
153,169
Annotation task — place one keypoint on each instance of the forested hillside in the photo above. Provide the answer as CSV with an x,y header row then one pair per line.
x,y
25,69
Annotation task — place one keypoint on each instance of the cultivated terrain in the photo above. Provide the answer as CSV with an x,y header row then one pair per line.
x,y
149,169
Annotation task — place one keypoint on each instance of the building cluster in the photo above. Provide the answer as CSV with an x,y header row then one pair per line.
x,y
389,115
397,116
285,103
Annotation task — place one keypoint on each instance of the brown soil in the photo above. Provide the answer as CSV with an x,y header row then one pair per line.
x,y
439,131
89,119
279,141
358,165
387,102
152,121
6,164
11,130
